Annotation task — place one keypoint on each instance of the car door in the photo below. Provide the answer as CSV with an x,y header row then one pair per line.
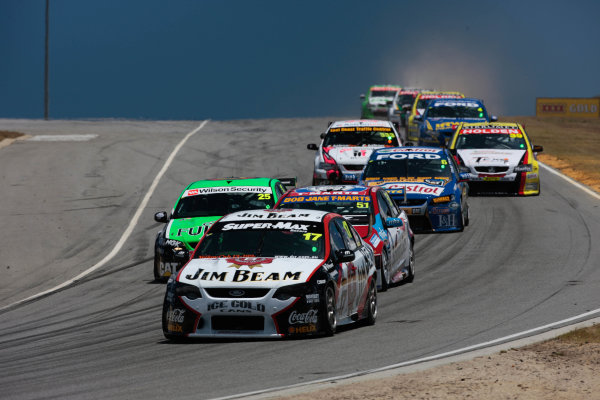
x,y
388,209
356,268
337,242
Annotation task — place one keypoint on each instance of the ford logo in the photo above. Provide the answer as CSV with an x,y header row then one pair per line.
x,y
237,293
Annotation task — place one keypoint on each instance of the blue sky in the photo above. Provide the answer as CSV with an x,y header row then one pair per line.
x,y
225,59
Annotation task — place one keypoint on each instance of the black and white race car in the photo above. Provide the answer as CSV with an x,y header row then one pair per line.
x,y
273,273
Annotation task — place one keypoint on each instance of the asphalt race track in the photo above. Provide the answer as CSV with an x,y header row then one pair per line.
x,y
522,263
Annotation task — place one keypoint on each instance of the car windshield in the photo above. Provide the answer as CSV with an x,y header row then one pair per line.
x,y
381,136
263,239
491,141
405,168
357,211
406,99
206,205
455,109
383,93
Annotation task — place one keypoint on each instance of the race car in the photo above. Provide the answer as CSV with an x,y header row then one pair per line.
x,y
346,147
442,116
202,203
401,105
273,274
418,108
499,156
425,182
375,217
377,101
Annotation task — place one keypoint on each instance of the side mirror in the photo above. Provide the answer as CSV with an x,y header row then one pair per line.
x,y
538,149
322,135
362,96
182,254
161,216
312,146
394,222
344,255
493,118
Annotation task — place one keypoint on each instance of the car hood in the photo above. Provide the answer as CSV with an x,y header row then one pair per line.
x,y
189,230
351,154
490,157
448,124
251,272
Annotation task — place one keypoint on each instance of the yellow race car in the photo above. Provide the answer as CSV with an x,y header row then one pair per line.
x,y
499,157
418,107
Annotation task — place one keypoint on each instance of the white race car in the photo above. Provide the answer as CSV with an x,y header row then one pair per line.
x,y
273,273
346,148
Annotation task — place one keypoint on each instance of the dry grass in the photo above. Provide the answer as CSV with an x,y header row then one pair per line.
x,y
570,145
9,135
580,336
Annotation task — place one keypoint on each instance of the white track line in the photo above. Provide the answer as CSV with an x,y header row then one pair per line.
x,y
127,232
571,181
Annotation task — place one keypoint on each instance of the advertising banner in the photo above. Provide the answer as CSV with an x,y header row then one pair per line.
x,y
567,107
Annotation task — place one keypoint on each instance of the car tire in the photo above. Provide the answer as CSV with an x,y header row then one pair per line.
x,y
157,276
371,304
411,264
330,312
466,217
384,270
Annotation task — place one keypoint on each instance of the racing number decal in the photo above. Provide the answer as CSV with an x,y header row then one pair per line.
x,y
312,236
264,196
362,205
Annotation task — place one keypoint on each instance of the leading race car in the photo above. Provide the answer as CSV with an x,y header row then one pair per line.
x,y
377,101
375,217
500,158
418,108
273,273
425,182
202,203
442,116
346,147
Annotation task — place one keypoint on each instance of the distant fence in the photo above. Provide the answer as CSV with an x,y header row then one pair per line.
x,y
567,107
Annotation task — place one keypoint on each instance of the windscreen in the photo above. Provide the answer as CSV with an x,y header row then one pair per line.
x,y
383,93
206,205
405,99
491,141
408,168
455,109
354,208
361,136
263,239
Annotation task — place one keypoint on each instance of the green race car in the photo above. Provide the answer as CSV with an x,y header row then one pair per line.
x,y
201,204
376,103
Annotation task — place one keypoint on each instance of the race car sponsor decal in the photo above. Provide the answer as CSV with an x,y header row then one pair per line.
x,y
176,315
312,298
447,220
375,240
309,317
288,226
242,275
440,96
227,189
306,215
334,198
398,188
413,156
360,123
509,131
385,129
309,328
439,210
409,150
249,261
446,125
239,306
471,104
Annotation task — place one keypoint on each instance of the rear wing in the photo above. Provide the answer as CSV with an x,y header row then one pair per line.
x,y
288,182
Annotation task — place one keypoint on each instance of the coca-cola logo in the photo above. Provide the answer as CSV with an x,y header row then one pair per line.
x,y
309,317
176,315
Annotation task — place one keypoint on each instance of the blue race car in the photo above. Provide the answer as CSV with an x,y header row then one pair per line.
x,y
425,182
442,116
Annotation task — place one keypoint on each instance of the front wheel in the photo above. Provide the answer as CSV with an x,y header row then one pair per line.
x,y
371,304
385,273
411,264
330,316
